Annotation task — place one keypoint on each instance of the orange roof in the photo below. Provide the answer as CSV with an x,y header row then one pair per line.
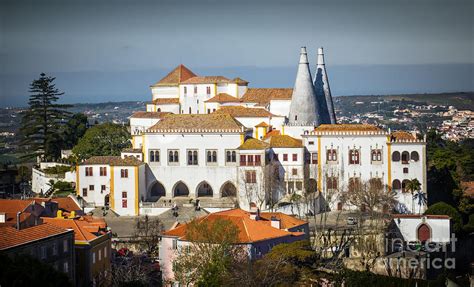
x,y
249,230
253,144
12,206
175,77
240,81
149,115
198,123
271,133
263,96
285,141
223,98
402,135
262,125
244,112
286,220
86,228
11,237
166,101
206,80
64,203
347,127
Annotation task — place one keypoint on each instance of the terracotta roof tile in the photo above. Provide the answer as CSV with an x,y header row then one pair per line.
x,y
223,98
207,80
198,123
240,81
85,228
166,101
285,141
132,150
254,144
249,230
64,203
244,112
286,220
263,96
402,135
262,125
11,237
175,77
113,160
271,133
347,127
149,115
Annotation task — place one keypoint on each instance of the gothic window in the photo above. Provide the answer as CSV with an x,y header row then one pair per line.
x,y
211,156
331,155
331,182
354,156
154,156
173,156
354,184
231,156
250,176
192,157
376,155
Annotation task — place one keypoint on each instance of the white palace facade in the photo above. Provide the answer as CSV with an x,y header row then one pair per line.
x,y
217,140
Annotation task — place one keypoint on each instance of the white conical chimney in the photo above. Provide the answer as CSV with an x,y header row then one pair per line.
x,y
323,91
303,108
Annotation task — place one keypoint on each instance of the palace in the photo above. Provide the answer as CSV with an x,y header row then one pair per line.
x,y
217,140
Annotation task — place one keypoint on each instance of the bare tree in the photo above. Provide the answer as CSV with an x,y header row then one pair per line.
x,y
147,232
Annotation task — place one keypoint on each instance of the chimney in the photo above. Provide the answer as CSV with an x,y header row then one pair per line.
x,y
323,91
304,108
275,222
18,223
254,212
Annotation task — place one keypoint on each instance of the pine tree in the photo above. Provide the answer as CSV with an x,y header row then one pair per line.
x,y
41,123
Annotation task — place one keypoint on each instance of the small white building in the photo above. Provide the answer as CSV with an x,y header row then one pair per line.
x,y
421,228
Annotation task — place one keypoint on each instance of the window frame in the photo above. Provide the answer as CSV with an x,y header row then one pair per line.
x,y
212,154
174,156
193,158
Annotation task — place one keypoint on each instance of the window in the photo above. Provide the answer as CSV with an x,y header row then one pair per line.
x,y
414,156
295,157
124,173
93,257
91,187
258,159
405,157
173,157
175,244
208,111
100,254
331,155
314,158
331,182
285,157
55,249
65,245
375,184
208,90
192,157
102,188
294,171
231,156
354,184
103,171
376,155
249,159
299,185
124,203
66,267
243,160
395,156
185,90
84,192
154,156
105,252
195,89
405,182
354,156
212,156
250,176
311,143
190,111
396,184
89,171
124,194
405,170
43,252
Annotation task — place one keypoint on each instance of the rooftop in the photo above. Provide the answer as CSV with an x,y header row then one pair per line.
x,y
149,115
271,133
207,80
263,96
402,135
347,127
285,141
11,237
244,112
262,125
113,160
175,77
166,101
419,216
86,228
250,230
214,122
253,144
223,98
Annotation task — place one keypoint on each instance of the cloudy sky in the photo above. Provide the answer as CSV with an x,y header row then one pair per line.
x,y
113,50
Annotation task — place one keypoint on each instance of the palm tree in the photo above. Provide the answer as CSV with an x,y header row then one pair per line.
x,y
422,199
413,186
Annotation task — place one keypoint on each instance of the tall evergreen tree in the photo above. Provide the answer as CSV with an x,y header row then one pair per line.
x,y
41,123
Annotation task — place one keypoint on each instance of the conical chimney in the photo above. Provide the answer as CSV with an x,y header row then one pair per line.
x,y
303,107
323,91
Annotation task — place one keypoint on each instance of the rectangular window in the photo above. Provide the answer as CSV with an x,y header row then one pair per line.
x,y
84,192
173,157
55,249
154,156
192,157
195,89
295,157
311,143
65,245
285,157
258,159
105,252
314,158
100,254
103,171
102,188
124,203
294,171
185,90
230,156
250,176
175,244
124,173
211,156
405,170
250,160
208,90
91,187
66,267
89,171
299,185
43,252
243,160
93,257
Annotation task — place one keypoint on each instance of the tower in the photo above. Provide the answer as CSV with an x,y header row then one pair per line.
x,y
323,91
304,107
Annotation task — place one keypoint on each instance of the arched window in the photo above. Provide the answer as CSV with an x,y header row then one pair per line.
x,y
424,233
405,157
152,156
170,156
353,156
158,110
414,156
404,185
396,184
396,156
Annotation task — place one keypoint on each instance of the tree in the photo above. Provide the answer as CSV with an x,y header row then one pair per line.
x,y
103,139
41,124
74,129
442,208
212,249
147,232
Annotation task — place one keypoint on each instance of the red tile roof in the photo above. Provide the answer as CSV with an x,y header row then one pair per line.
x,y
175,77
86,228
263,96
271,133
149,115
64,203
262,125
166,101
250,230
254,144
285,141
223,98
11,207
244,112
207,80
11,237
198,123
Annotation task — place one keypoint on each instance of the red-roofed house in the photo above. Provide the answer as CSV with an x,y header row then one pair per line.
x,y
257,234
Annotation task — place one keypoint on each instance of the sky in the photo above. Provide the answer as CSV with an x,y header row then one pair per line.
x,y
112,50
